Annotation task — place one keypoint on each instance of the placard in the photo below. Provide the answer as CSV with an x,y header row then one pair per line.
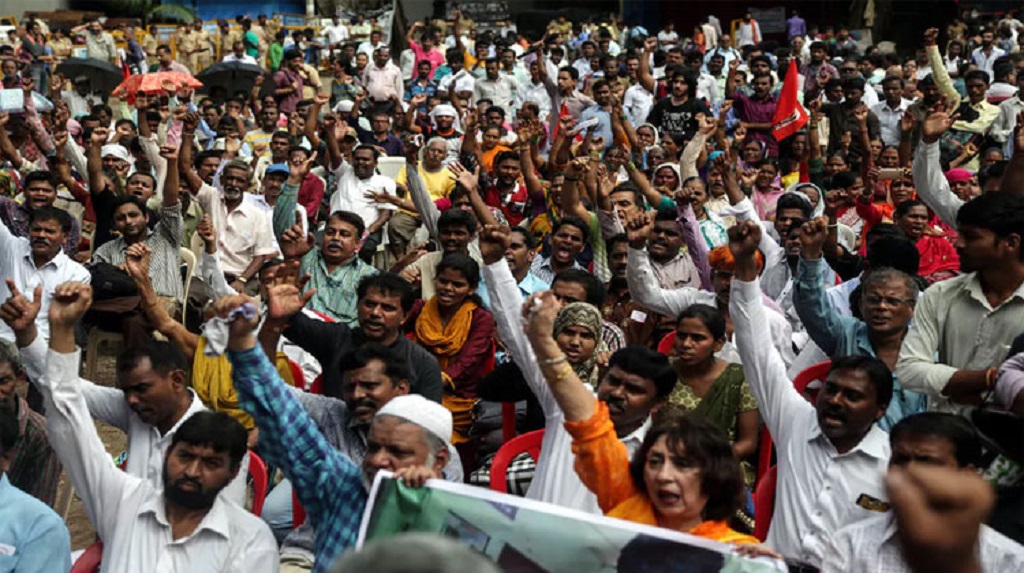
x,y
527,536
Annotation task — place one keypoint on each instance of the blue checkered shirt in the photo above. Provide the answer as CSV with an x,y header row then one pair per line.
x,y
329,486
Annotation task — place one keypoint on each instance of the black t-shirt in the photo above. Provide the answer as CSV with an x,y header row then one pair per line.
x,y
677,119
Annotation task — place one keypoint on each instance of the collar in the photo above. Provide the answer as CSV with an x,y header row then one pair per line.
x,y
57,261
873,444
195,406
216,519
972,286
640,433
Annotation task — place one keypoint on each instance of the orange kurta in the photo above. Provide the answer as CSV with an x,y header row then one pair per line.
x,y
602,463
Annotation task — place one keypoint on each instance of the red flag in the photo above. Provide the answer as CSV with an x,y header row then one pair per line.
x,y
789,116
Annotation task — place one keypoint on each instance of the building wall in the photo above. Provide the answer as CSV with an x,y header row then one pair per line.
x,y
18,7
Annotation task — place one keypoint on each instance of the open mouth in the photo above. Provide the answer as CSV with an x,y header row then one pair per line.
x,y
667,498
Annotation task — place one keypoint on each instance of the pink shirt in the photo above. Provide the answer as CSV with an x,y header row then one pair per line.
x,y
434,56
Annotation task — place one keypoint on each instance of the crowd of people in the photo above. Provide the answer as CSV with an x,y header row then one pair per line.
x,y
623,233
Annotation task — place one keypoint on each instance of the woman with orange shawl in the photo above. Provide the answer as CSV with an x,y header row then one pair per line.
x,y
460,334
684,477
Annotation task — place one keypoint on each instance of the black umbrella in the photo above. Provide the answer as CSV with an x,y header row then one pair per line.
x,y
103,76
231,77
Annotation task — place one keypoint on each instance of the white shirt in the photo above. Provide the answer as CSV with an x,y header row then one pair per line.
x,y
871,546
643,287
555,480
242,234
350,194
539,93
146,447
986,61
79,104
667,40
501,92
16,264
637,103
129,512
368,48
889,120
259,202
244,59
818,488
335,33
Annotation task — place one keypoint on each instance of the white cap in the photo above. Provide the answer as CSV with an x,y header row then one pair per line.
x,y
429,415
115,150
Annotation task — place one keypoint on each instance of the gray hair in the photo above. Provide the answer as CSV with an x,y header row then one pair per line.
x,y
415,553
9,355
887,274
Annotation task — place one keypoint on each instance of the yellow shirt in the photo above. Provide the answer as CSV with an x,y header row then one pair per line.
x,y
439,184
211,379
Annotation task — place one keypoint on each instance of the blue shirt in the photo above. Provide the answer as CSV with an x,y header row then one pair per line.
x,y
33,539
329,486
844,336
604,126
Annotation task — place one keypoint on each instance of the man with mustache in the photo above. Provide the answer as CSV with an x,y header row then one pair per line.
x,y
149,402
372,375
831,455
406,434
334,267
382,302
38,262
40,190
185,524
245,240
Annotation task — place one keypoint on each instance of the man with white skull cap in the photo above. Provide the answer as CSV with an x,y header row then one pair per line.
x,y
409,435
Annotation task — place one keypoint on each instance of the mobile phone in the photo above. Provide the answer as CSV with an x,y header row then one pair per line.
x,y
890,173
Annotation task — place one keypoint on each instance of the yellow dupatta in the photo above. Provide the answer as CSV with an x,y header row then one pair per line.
x,y
445,341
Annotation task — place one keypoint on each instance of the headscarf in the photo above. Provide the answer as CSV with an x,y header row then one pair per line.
x,y
585,315
447,110
674,167
819,209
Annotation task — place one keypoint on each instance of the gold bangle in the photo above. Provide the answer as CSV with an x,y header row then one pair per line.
x,y
563,373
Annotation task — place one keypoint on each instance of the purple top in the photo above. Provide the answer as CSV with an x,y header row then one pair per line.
x,y
752,110
695,244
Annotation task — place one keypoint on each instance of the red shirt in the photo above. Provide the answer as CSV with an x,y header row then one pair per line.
x,y
514,205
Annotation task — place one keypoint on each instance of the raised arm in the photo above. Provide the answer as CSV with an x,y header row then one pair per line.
x,y
137,264
643,285
764,368
823,323
185,161
644,73
571,204
1013,177
98,182
288,438
931,185
70,429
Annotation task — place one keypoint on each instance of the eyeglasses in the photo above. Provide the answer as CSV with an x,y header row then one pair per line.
x,y
875,301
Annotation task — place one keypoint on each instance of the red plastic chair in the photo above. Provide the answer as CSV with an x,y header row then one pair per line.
x,y
666,343
810,374
89,560
528,442
317,387
298,376
258,473
764,502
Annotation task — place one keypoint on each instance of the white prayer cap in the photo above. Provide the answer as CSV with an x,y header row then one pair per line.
x,y
444,109
429,415
114,150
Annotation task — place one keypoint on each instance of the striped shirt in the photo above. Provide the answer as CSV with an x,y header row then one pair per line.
x,y
35,468
165,243
329,486
335,291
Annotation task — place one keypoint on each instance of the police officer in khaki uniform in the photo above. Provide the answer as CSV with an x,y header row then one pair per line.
x,y
204,47
149,45
228,37
186,43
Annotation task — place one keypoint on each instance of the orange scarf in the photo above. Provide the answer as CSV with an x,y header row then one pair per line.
x,y
441,340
